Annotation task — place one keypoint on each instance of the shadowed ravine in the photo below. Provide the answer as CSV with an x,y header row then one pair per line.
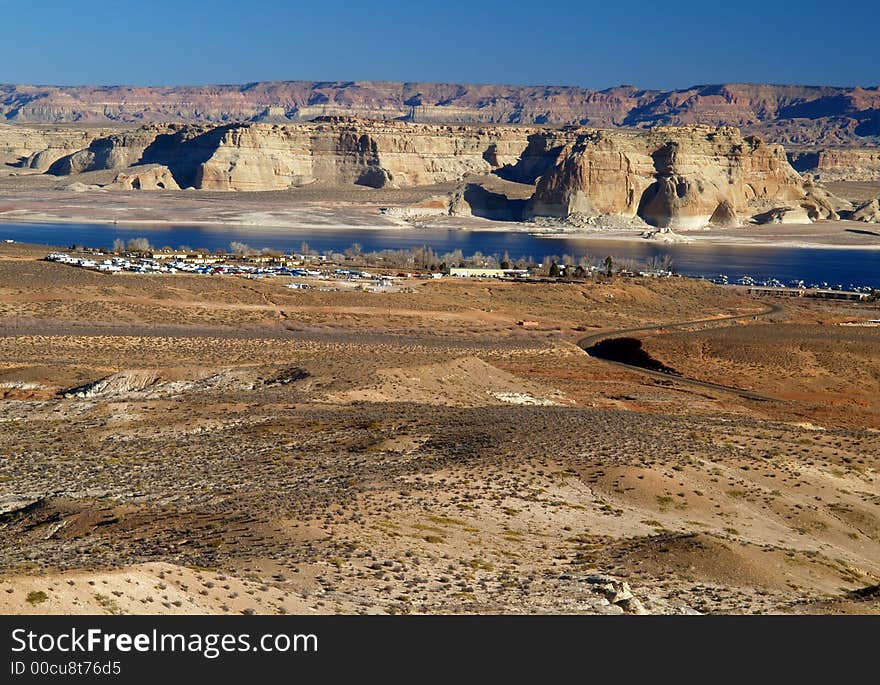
x,y
621,348
628,351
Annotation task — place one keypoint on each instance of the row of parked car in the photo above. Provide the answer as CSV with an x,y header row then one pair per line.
x,y
147,265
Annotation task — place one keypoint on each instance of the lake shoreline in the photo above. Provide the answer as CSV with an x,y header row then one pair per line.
x,y
770,237
708,257
713,240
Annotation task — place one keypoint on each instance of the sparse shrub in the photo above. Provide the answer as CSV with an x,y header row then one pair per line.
x,y
36,597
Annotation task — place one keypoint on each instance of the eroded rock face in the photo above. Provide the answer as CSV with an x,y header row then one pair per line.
x,y
782,215
724,215
469,199
37,149
344,152
176,146
671,177
821,204
867,212
334,152
154,177
599,174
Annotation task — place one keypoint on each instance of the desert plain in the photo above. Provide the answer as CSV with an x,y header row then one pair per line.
x,y
191,444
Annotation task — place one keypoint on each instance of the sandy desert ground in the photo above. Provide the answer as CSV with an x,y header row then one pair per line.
x,y
191,444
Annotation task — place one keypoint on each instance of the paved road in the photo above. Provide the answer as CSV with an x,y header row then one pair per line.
x,y
586,343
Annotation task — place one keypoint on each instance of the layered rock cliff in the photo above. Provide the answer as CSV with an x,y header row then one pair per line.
x,y
799,115
340,152
675,177
333,152
38,148
839,164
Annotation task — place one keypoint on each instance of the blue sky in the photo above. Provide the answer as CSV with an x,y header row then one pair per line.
x,y
597,45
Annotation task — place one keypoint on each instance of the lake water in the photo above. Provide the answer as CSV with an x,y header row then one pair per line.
x,y
858,267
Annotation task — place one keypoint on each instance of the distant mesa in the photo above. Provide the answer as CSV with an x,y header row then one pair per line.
x,y
839,163
793,115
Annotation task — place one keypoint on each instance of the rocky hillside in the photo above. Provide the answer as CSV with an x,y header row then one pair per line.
x,y
794,115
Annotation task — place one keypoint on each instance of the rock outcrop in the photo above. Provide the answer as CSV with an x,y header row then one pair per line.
x,y
117,383
118,150
469,199
724,215
820,203
32,148
782,215
674,177
867,212
152,177
793,115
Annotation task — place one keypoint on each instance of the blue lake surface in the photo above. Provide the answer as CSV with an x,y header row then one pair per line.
x,y
813,265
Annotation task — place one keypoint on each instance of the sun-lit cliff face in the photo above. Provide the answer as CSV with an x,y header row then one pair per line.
x,y
38,148
333,152
671,177
375,154
676,177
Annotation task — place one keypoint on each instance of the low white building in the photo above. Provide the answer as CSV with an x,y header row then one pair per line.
x,y
476,272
